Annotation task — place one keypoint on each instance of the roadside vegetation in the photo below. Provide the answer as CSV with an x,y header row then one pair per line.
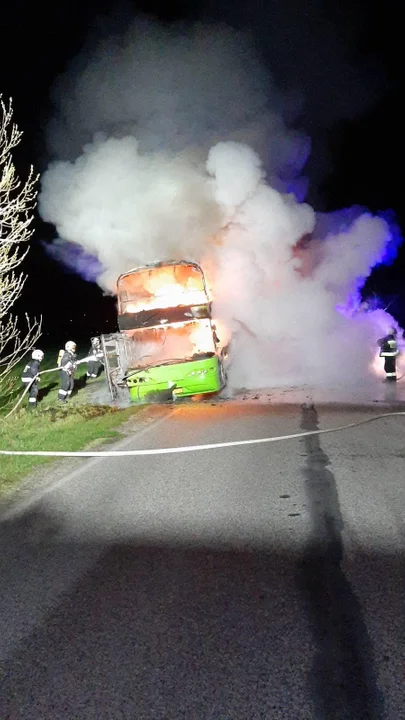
x,y
17,205
52,426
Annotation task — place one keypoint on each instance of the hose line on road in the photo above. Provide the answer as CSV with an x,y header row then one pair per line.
x,y
195,448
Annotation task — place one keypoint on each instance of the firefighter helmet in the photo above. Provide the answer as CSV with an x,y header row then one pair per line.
x,y
70,346
37,355
392,331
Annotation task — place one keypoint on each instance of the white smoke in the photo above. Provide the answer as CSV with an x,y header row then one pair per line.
x,y
173,90
129,209
286,325
172,128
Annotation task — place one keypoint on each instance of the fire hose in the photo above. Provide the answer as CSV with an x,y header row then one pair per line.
x,y
195,448
43,372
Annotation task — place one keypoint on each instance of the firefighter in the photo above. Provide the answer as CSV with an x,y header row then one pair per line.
x,y
93,366
30,375
389,351
67,369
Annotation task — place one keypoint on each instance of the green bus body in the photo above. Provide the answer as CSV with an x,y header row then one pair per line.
x,y
180,379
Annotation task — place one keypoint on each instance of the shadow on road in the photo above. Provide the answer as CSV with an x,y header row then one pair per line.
x,y
160,633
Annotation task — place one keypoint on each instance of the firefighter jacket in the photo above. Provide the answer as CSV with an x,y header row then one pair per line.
x,y
68,363
30,371
388,347
96,352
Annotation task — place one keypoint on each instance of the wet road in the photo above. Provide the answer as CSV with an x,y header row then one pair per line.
x,y
242,583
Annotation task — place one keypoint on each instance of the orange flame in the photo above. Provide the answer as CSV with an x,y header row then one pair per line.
x,y
172,341
161,287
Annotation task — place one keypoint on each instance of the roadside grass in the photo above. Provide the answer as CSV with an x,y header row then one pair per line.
x,y
54,428
13,388
51,426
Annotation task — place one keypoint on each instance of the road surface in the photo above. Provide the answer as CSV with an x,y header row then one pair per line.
x,y
257,582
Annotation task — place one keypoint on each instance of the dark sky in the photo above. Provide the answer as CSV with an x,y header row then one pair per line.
x,y
357,152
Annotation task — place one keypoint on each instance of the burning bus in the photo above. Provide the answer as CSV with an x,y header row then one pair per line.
x,y
167,346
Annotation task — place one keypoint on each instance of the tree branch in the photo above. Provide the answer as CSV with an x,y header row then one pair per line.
x,y
17,204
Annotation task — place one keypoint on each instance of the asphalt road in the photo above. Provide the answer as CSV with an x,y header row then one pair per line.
x,y
254,582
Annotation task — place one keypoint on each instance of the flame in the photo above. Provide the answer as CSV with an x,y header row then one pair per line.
x,y
223,333
201,337
162,287
175,341
159,288
169,296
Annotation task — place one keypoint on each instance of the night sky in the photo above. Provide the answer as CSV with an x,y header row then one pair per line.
x,y
357,142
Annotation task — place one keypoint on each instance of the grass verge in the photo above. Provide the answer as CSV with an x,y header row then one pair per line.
x,y
52,426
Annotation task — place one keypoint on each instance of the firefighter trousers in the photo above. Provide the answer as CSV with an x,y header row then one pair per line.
x,y
33,395
93,368
390,367
66,386
32,392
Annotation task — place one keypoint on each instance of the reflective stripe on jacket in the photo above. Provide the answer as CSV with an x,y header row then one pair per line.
x,y
389,347
30,371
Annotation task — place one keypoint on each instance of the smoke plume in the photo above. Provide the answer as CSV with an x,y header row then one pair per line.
x,y
171,145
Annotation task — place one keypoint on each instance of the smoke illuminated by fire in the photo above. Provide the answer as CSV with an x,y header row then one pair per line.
x,y
174,130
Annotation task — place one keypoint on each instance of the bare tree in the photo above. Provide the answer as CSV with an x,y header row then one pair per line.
x,y
17,203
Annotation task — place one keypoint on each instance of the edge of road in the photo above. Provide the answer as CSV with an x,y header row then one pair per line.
x,y
44,478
